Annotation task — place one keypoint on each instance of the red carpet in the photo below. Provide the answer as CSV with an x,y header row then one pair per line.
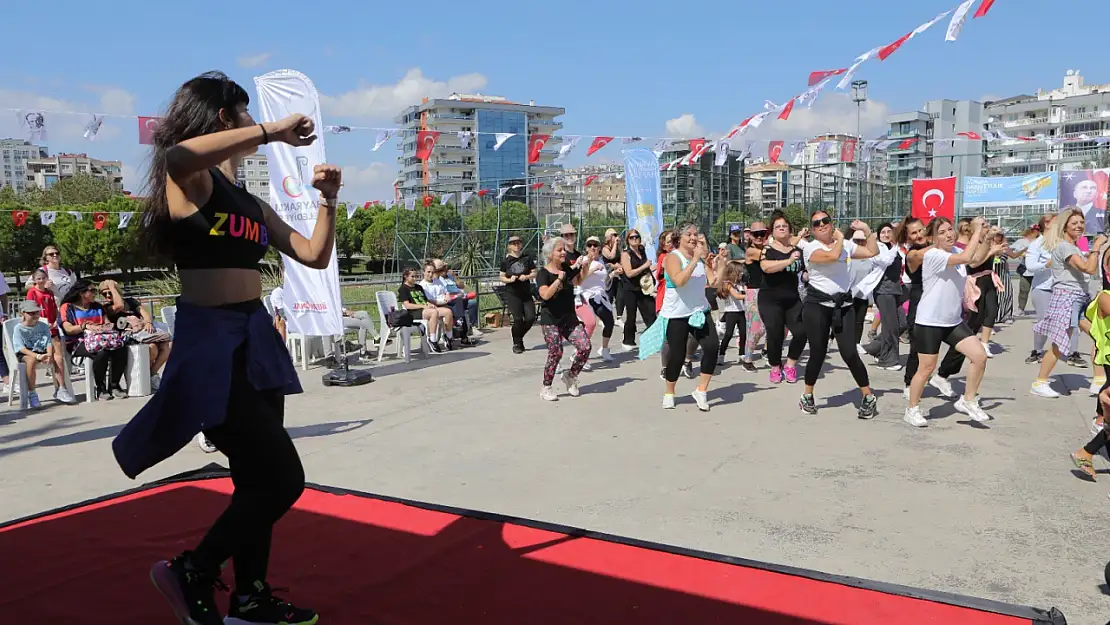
x,y
363,560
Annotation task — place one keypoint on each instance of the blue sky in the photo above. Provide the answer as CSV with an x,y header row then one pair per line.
x,y
655,68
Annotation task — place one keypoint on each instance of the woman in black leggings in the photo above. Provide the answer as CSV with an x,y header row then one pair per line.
x,y
518,271
780,306
228,371
637,272
828,306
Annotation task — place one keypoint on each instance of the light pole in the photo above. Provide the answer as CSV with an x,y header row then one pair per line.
x,y
859,96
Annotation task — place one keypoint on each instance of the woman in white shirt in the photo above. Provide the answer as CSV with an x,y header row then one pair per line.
x,y
594,292
828,306
940,318
686,312
1037,263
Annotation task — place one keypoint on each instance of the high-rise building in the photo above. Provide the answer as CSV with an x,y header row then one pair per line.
x,y
766,185
703,185
604,194
1074,111
254,173
14,154
925,157
45,171
473,162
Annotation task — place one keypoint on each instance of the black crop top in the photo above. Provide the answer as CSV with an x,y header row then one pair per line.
x,y
228,232
786,280
753,275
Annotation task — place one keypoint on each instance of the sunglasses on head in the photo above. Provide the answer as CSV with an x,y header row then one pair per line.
x,y
759,233
824,221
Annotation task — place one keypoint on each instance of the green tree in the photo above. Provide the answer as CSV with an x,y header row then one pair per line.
x,y
76,190
86,249
377,238
349,232
20,247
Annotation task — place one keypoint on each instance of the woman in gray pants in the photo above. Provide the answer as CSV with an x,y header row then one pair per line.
x,y
889,296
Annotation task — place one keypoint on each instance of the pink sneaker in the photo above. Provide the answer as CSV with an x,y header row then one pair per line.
x,y
776,375
791,374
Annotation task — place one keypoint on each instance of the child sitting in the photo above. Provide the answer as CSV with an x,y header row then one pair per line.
x,y
32,345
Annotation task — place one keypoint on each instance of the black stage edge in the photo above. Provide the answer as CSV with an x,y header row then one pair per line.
x,y
213,470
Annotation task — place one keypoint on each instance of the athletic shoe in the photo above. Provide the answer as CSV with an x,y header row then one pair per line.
x,y
942,385
571,383
261,607
915,417
33,399
1076,360
807,404
628,348
702,400
119,393
64,396
605,354
972,409
205,444
668,402
776,375
1043,389
688,370
518,349
548,394
190,593
155,381
749,367
868,408
1034,356
1096,386
791,374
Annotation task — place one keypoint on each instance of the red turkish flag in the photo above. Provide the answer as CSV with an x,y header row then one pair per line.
x,y
774,151
785,114
99,219
482,192
983,8
695,146
427,201
367,205
599,142
816,77
537,185
19,218
589,179
907,143
425,143
535,144
888,50
974,136
934,197
147,126
848,151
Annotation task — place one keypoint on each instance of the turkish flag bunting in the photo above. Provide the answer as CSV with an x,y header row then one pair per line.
x,y
425,143
785,114
974,136
848,151
888,50
589,179
816,77
934,197
983,8
695,146
147,126
535,144
19,218
599,142
537,185
482,192
99,219
907,143
774,151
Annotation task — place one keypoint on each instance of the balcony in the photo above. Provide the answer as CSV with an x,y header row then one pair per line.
x,y
452,117
1028,121
895,166
904,135
452,163
546,124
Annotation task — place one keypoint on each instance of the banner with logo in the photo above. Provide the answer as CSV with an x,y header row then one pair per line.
x,y
1086,190
312,301
1027,190
644,196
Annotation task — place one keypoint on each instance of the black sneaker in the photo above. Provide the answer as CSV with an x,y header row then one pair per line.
x,y
868,408
1034,356
191,593
749,367
261,607
807,404
518,349
1076,360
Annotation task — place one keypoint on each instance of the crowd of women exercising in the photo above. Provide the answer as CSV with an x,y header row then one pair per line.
x,y
934,284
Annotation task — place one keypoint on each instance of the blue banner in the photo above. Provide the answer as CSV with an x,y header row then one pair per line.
x,y
644,196
1024,190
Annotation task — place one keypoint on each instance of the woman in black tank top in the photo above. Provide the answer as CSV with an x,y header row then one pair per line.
x,y
910,234
780,304
228,371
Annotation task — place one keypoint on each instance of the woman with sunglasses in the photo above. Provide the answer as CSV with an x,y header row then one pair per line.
x,y
828,306
639,295
593,292
779,301
753,273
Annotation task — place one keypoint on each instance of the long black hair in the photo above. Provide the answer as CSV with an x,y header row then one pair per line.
x,y
73,295
194,111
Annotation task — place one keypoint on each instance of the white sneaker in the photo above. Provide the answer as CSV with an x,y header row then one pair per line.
x,y
33,399
1096,386
942,385
586,366
1095,427
702,399
906,393
605,354
987,348
915,417
1043,389
628,348
571,384
619,323
668,402
474,331
205,444
548,394
860,350
64,396
972,409
897,367
155,381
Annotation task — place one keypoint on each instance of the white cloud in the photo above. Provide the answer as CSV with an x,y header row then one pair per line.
x,y
684,126
372,182
385,101
253,60
66,119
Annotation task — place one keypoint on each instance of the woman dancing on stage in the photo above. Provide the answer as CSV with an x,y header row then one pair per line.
x,y
228,370
939,318
558,319
780,304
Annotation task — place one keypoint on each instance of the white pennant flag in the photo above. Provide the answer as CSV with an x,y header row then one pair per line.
x,y
745,149
860,60
661,146
76,215
502,191
47,217
958,19
720,151
627,140
501,137
757,120
93,127
337,130
810,95
797,152
383,136
33,124
351,208
446,198
410,203
823,151
466,195
927,25
466,139
568,145
125,219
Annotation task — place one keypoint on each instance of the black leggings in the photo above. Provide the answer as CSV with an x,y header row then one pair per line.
x,y
1098,402
678,330
734,320
779,312
635,301
860,307
953,360
818,321
265,470
606,317
100,361
523,312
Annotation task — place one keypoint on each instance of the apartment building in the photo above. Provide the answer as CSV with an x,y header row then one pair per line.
x,y
45,171
14,154
767,186
475,162
939,150
604,194
254,173
703,185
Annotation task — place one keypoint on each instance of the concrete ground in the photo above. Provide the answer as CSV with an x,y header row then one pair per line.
x,y
993,511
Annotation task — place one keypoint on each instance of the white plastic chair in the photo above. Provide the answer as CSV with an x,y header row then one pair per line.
x,y
137,374
293,341
387,301
169,316
86,364
15,368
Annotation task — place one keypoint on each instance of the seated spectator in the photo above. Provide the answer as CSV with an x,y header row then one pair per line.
x,y
360,320
88,334
412,297
32,346
455,291
39,293
436,291
139,327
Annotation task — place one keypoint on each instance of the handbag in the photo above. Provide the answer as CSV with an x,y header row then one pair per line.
x,y
399,318
98,341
